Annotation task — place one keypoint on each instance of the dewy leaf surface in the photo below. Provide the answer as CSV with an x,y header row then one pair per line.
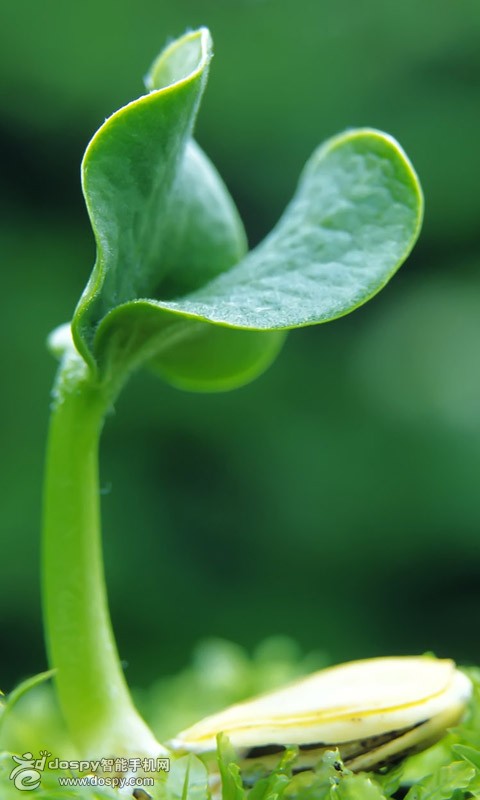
x,y
172,285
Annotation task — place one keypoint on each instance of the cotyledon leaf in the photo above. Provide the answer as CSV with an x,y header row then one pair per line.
x,y
172,285
163,220
145,182
353,221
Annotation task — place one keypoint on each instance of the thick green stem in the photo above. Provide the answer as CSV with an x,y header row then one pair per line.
x,y
91,687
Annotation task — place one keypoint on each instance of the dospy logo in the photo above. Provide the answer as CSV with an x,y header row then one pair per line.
x,y
26,776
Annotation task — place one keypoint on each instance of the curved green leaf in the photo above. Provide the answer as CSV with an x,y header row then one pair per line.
x,y
149,189
355,217
172,285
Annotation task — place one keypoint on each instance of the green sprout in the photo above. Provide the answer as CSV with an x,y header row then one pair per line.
x,y
175,290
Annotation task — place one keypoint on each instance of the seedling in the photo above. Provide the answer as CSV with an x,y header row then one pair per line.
x,y
175,290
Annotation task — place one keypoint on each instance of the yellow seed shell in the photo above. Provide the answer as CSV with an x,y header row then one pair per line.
x,y
345,703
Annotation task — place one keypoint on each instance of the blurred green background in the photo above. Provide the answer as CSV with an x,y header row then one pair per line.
x,y
336,499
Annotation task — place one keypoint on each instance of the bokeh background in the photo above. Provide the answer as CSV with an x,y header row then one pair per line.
x,y
335,500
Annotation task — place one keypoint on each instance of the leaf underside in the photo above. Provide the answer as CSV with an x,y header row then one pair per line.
x,y
173,285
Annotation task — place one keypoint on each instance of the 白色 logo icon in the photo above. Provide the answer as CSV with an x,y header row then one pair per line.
x,y
27,775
